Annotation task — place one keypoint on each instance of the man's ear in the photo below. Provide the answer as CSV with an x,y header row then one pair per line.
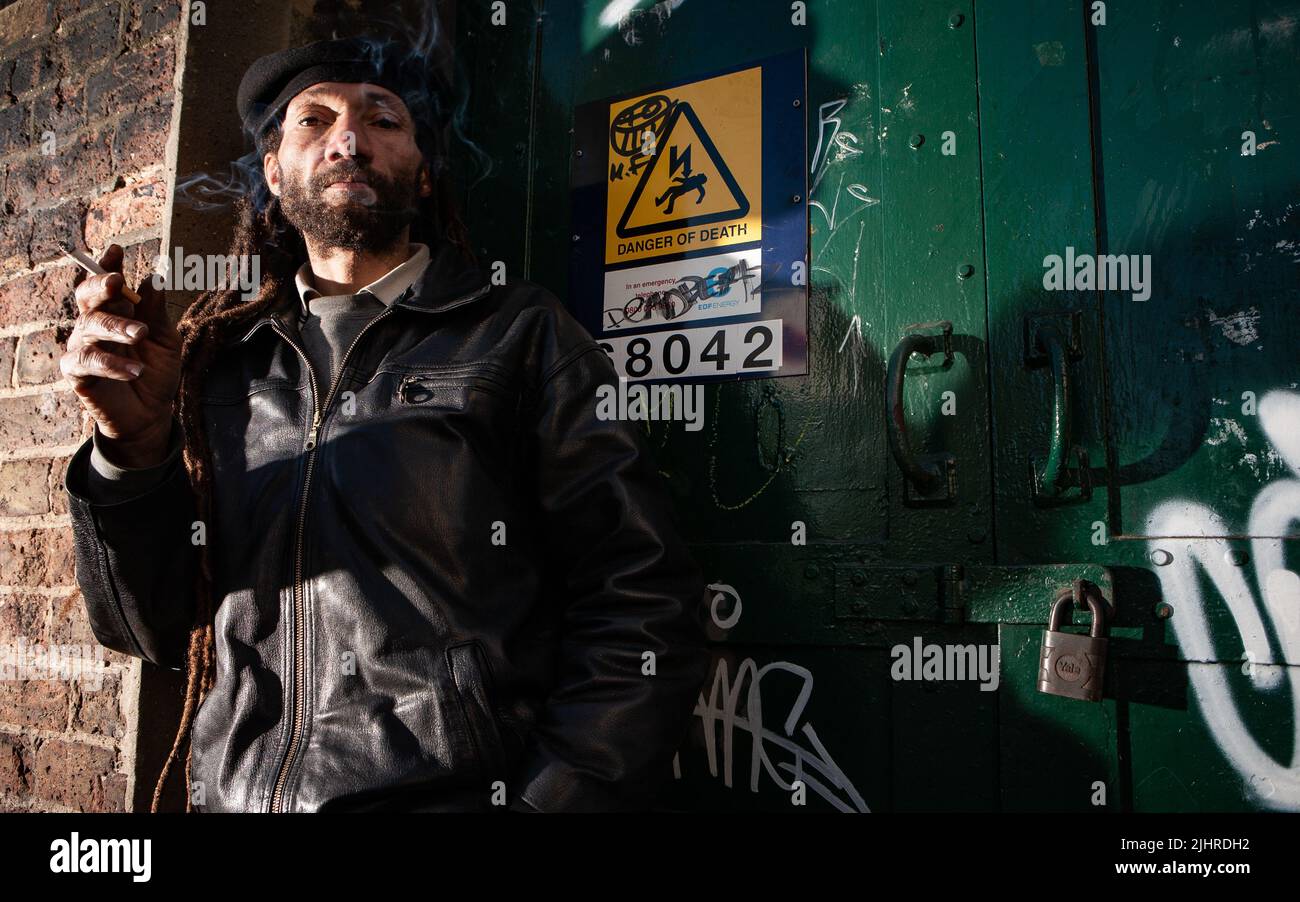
x,y
271,170
426,182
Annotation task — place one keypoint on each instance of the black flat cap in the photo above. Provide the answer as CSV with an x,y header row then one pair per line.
x,y
272,81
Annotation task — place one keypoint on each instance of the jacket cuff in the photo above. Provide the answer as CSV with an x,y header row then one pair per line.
x,y
100,481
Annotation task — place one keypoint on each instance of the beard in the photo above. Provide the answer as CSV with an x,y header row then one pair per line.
x,y
351,225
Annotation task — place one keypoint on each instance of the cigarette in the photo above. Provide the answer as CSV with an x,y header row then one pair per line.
x,y
86,262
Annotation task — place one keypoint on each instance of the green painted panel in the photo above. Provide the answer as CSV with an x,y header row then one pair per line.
x,y
1038,200
1182,82
930,219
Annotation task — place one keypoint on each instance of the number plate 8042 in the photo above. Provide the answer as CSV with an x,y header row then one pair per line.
x,y
753,347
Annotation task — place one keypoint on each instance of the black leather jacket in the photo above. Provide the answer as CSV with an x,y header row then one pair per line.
x,y
453,574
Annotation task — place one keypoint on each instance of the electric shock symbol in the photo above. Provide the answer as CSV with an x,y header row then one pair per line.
x,y
692,161
686,183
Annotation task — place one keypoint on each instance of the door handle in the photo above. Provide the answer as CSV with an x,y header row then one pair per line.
x,y
926,473
1050,347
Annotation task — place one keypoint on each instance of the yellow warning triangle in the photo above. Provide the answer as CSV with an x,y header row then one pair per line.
x,y
688,182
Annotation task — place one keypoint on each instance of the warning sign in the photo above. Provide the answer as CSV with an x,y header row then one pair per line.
x,y
686,168
690,224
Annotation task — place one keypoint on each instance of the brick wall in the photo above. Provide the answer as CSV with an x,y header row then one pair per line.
x,y
86,90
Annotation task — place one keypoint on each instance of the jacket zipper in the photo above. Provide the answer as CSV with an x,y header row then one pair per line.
x,y
299,642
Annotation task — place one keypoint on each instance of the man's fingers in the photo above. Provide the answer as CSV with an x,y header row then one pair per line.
x,y
112,259
97,291
99,325
92,360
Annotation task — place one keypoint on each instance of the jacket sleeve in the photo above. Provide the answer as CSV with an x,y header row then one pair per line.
x,y
609,731
135,559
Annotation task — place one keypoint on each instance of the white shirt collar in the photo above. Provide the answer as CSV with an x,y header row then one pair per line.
x,y
387,288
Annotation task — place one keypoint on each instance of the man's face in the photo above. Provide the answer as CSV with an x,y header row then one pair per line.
x,y
348,171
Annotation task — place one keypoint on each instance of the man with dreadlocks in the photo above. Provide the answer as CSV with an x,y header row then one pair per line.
x,y
371,510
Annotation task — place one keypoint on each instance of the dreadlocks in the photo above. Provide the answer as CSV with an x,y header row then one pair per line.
x,y
209,326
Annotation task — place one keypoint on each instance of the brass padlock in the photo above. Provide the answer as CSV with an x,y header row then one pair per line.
x,y
1073,665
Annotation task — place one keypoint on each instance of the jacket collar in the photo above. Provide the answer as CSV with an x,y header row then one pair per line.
x,y
447,282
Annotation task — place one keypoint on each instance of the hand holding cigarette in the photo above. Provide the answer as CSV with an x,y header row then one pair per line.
x,y
88,263
123,360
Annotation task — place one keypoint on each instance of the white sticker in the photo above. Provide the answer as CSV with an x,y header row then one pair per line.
x,y
700,288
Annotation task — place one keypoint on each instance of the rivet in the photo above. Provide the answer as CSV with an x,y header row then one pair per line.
x,y
579,151
811,572
798,103
575,237
917,140
1161,558
909,577
955,20
965,271
796,198
859,578
1164,611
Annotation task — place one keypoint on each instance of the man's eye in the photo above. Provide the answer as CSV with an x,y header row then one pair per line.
x,y
309,120
388,123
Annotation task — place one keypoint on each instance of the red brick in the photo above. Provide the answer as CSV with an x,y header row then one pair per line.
x,y
24,19
58,109
50,418
23,616
83,161
79,776
98,711
7,349
140,139
83,42
37,557
54,228
69,622
135,79
29,69
146,18
135,208
38,358
15,128
24,488
41,704
15,241
13,765
41,296
59,495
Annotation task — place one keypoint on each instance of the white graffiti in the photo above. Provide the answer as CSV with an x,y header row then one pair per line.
x,y
1269,782
811,764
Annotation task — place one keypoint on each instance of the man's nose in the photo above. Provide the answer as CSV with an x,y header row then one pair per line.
x,y
347,139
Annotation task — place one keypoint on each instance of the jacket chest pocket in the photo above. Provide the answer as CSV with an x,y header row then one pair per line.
x,y
448,388
472,678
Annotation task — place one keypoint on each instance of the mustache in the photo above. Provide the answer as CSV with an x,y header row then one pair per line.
x,y
346,171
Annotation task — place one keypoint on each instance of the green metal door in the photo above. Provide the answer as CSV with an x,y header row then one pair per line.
x,y
951,148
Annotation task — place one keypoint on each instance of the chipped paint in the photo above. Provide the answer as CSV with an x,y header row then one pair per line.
x,y
1241,327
